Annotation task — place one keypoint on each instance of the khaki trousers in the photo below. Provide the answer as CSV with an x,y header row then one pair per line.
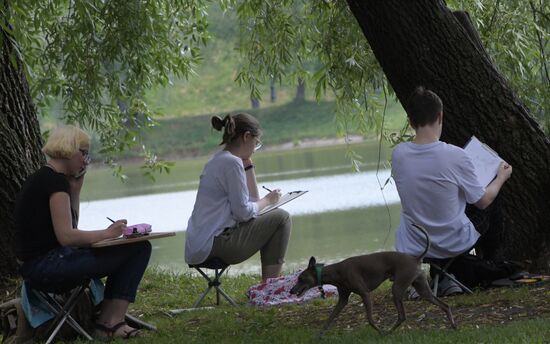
x,y
268,233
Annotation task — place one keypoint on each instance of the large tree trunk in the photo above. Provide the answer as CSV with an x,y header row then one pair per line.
x,y
421,42
20,143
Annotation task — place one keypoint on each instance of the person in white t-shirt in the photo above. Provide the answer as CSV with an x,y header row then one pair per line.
x,y
435,181
224,223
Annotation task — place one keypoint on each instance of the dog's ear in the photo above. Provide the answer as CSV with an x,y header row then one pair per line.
x,y
312,262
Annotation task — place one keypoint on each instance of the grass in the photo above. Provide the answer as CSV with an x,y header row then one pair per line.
x,y
290,122
213,88
506,315
160,292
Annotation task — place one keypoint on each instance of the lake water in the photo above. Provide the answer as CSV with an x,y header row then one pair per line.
x,y
342,215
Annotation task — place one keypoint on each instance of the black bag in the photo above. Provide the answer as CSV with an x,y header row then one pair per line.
x,y
475,272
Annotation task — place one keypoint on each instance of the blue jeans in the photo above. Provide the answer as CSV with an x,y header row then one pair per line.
x,y
64,268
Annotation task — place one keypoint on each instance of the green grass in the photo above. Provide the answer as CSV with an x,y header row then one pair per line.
x,y
479,316
213,88
285,123
160,292
290,122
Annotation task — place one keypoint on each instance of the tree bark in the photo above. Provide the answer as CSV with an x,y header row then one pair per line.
x,y
255,103
422,43
20,143
272,91
300,91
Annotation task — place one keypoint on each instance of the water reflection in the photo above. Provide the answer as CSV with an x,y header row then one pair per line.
x,y
342,215
170,211
329,236
293,164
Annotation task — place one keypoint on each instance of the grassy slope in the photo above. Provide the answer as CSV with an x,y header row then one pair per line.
x,y
289,122
510,315
184,131
213,89
506,315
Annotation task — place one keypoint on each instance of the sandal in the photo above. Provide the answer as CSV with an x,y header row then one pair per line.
x,y
109,333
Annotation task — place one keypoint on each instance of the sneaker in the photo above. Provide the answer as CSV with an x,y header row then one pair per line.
x,y
412,294
448,287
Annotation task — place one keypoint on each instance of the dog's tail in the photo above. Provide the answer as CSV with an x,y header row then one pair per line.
x,y
423,230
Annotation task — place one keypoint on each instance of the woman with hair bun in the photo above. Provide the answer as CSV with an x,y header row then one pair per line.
x,y
224,223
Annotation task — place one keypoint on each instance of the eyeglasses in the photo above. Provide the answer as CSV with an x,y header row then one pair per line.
x,y
86,155
258,144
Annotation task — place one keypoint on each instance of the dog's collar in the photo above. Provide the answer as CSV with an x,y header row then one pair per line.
x,y
318,269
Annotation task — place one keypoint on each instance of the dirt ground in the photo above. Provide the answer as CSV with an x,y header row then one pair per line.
x,y
501,307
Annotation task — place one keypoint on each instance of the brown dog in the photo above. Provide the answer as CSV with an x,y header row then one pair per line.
x,y
363,274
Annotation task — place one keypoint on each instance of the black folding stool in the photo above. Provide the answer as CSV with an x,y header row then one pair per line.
x,y
441,269
62,310
219,267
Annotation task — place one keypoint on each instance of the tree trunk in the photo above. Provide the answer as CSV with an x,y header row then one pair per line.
x,y
300,91
422,43
20,144
273,91
255,103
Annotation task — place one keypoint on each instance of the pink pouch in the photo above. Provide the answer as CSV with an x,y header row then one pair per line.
x,y
140,229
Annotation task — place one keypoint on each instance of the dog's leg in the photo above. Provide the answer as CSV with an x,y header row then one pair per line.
x,y
423,288
368,308
398,292
343,297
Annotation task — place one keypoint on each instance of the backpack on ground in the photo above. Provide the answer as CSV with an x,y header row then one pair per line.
x,y
475,272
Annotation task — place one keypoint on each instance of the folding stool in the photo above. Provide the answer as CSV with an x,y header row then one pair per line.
x,y
219,267
441,266
62,310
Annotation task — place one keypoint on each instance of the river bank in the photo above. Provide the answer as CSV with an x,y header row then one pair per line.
x,y
297,144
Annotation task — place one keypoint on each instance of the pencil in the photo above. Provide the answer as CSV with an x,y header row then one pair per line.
x,y
108,218
266,188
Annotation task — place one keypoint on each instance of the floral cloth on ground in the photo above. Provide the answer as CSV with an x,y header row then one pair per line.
x,y
276,291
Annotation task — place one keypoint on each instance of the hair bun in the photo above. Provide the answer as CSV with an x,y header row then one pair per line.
x,y
217,123
229,124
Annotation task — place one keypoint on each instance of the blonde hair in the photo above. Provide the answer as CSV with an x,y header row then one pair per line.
x,y
65,141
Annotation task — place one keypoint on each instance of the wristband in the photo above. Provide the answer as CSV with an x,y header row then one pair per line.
x,y
248,167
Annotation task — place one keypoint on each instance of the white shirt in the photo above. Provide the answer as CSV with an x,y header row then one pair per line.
x,y
434,182
222,201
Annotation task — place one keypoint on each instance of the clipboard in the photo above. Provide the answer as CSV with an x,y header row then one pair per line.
x,y
283,200
486,160
123,240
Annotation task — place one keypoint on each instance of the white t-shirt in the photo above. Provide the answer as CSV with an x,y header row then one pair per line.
x,y
222,201
434,182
